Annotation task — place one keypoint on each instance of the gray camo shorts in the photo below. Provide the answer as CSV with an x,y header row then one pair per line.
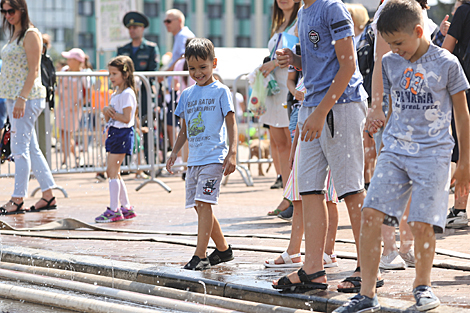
x,y
203,184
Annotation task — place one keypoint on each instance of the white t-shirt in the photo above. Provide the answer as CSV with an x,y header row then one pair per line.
x,y
239,100
120,101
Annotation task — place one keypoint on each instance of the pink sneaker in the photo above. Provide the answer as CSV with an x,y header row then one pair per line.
x,y
109,216
128,213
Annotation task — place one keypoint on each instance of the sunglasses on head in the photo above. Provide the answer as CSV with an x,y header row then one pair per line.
x,y
10,11
168,21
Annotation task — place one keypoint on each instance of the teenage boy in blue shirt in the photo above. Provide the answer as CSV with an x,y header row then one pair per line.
x,y
331,121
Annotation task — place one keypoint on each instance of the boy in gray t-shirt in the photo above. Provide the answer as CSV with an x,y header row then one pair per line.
x,y
424,83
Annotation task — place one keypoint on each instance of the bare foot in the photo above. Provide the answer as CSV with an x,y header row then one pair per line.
x,y
281,207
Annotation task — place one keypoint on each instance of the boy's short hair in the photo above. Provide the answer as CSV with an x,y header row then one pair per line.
x,y
200,48
400,16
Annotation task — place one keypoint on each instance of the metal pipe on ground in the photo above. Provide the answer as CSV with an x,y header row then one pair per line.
x,y
109,292
227,303
73,303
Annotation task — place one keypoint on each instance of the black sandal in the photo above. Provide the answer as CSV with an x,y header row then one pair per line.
x,y
284,283
19,210
357,282
44,208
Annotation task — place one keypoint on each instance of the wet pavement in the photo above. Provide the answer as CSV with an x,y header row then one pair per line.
x,y
242,213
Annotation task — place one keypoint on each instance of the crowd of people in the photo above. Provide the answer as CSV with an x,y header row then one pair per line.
x,y
73,112
368,138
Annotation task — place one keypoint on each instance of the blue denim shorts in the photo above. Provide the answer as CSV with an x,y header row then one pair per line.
x,y
294,117
397,177
120,140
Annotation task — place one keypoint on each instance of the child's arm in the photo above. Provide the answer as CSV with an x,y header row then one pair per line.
x,y
294,146
462,124
137,123
390,108
449,43
291,83
376,113
345,54
230,161
177,147
286,57
124,117
107,111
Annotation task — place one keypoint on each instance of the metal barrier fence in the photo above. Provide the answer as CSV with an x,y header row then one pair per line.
x,y
73,133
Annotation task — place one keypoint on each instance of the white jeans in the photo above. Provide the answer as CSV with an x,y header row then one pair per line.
x,y
25,148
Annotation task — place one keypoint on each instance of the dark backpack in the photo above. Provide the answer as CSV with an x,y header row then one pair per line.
x,y
48,78
365,57
5,148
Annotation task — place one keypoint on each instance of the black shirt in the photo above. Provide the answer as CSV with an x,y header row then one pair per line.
x,y
460,29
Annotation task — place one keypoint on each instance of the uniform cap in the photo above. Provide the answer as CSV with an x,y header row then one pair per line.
x,y
135,19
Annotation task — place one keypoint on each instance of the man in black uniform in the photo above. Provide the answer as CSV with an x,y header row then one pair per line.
x,y
146,57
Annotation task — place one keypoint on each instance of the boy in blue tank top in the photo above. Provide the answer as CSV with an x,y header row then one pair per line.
x,y
424,84
331,121
207,114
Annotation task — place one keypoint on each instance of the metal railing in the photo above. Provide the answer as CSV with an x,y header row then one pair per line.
x,y
74,131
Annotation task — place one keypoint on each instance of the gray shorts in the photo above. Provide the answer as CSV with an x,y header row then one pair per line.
x,y
342,153
203,184
397,177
